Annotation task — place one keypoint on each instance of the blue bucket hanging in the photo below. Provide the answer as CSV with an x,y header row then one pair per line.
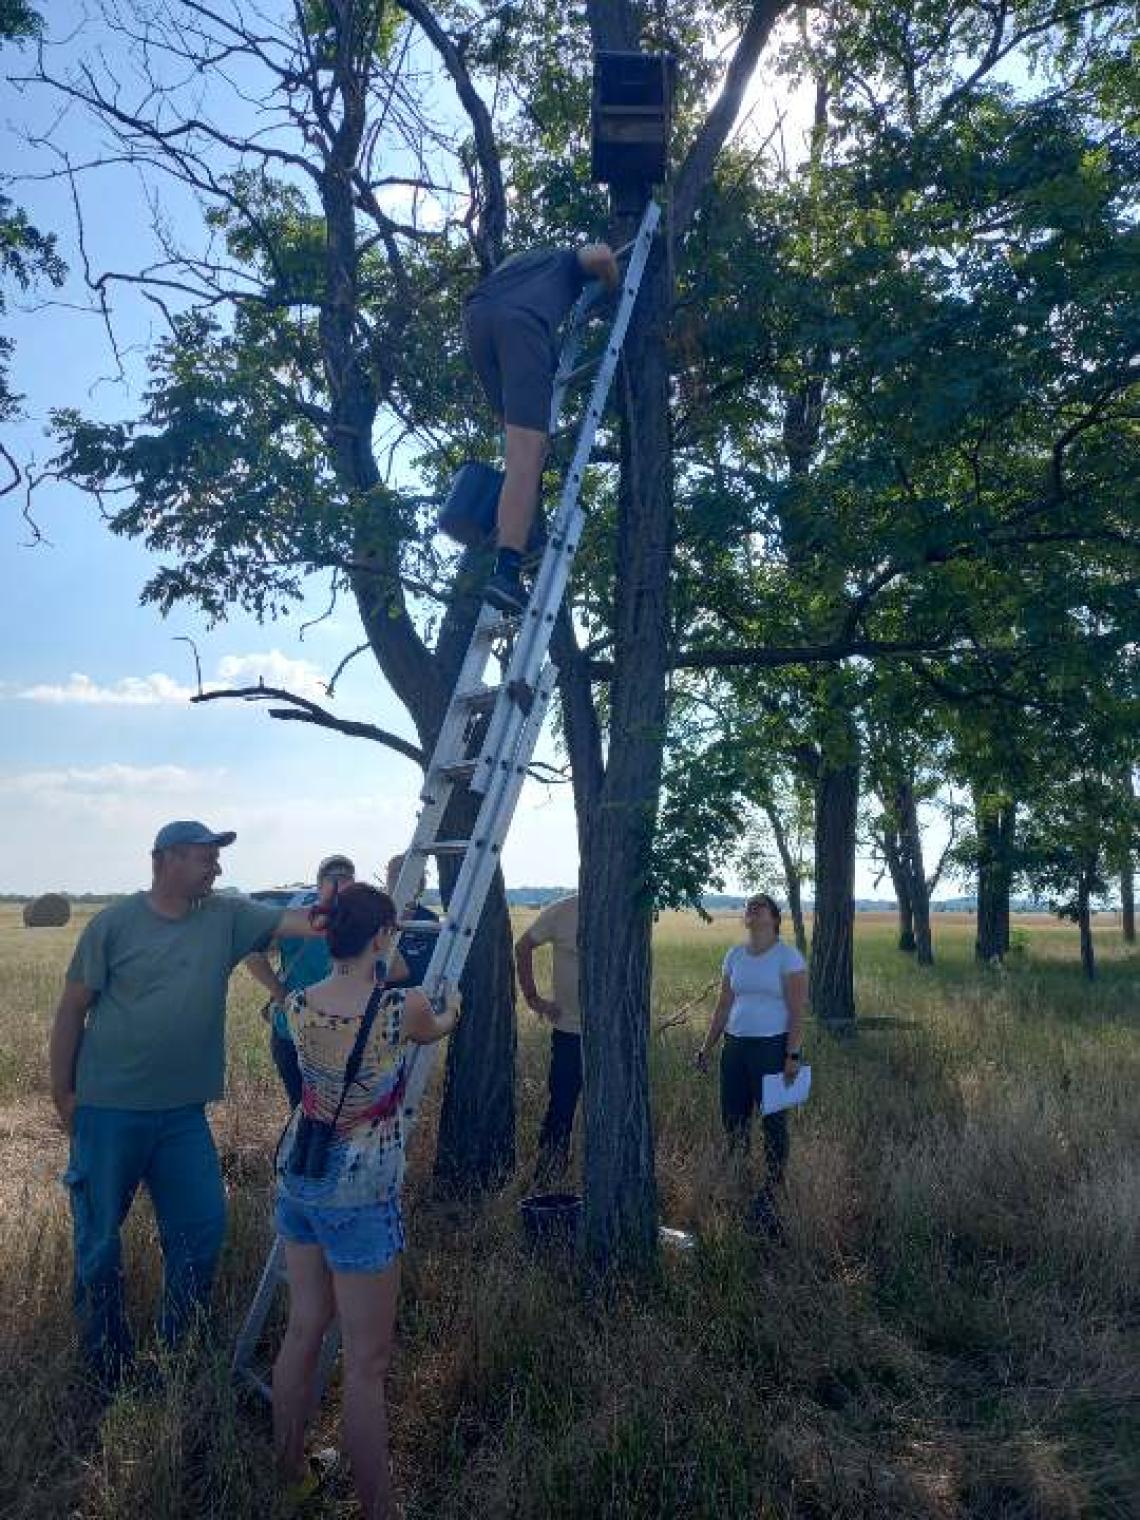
x,y
469,513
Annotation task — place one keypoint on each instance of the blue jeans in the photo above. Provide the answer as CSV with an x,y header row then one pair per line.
x,y
172,1152
367,1238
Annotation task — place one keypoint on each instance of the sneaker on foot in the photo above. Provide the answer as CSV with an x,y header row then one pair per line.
x,y
506,592
319,1467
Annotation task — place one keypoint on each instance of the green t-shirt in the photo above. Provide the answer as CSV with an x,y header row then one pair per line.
x,y
155,1035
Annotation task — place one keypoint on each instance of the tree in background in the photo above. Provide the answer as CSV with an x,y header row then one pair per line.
x,y
26,254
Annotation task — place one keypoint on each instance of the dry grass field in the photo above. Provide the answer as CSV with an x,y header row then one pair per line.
x,y
952,1330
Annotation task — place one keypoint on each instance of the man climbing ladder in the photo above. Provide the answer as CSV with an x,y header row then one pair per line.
x,y
510,322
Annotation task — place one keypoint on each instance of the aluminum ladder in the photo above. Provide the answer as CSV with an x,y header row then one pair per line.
x,y
496,770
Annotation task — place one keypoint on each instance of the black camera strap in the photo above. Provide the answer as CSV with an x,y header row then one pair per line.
x,y
356,1054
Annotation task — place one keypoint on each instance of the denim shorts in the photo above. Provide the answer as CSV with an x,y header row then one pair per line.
x,y
367,1238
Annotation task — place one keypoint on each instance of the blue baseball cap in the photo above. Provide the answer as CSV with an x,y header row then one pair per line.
x,y
187,831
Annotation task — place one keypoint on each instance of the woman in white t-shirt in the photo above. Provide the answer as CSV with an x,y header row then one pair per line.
x,y
760,1013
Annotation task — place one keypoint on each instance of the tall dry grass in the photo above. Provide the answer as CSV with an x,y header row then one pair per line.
x,y
951,1329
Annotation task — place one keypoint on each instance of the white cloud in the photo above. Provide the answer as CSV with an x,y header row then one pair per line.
x,y
274,669
129,691
271,667
74,781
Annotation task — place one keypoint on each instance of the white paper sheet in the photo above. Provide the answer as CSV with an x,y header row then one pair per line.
x,y
779,1094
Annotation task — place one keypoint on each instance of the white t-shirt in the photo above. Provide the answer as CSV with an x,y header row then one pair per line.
x,y
759,1008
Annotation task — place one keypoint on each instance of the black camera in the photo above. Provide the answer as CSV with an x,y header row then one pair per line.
x,y
310,1151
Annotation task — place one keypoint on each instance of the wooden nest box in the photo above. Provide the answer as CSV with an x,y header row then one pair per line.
x,y
630,117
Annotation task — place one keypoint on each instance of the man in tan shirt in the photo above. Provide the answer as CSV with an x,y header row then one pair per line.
x,y
557,926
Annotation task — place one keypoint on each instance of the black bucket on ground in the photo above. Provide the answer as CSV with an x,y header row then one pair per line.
x,y
551,1219
469,513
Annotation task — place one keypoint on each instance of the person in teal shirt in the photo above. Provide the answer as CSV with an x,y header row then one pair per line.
x,y
301,963
137,1051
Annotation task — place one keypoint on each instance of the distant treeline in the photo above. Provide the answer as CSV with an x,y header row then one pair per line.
x,y
538,897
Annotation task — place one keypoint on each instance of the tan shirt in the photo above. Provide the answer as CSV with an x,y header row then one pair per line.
x,y
557,926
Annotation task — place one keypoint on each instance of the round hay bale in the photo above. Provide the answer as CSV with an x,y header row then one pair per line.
x,y
51,911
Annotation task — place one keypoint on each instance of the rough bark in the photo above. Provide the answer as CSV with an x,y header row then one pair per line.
x,y
914,868
616,903
793,885
1128,904
615,915
995,829
900,880
1127,888
832,943
1084,923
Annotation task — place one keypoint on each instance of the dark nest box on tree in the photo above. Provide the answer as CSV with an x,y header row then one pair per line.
x,y
630,117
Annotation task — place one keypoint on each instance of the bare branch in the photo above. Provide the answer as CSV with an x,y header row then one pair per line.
x,y
698,164
330,684
302,710
182,638
17,477
493,213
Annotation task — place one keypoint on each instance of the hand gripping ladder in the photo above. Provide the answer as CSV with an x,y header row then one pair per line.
x,y
517,708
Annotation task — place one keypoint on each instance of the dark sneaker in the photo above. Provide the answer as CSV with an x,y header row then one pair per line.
x,y
506,592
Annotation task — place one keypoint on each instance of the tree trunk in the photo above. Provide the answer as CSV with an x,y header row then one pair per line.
x,y
1127,890
616,904
792,882
910,849
832,948
1084,923
995,826
475,1148
900,880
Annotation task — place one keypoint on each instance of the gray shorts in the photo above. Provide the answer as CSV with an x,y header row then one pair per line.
x,y
515,359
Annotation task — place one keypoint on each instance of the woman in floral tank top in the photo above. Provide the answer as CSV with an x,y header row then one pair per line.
x,y
338,1199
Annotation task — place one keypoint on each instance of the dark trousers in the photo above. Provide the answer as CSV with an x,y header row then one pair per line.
x,y
171,1152
284,1054
565,1086
745,1061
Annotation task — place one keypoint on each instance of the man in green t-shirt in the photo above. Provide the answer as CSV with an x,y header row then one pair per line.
x,y
137,1051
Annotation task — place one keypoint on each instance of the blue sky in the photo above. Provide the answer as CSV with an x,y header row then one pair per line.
x,y
99,744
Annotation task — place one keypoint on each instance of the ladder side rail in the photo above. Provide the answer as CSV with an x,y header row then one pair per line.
x,y
254,1322
450,955
571,347
438,789
505,797
593,294
538,620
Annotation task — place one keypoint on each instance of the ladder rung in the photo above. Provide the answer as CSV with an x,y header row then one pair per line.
x,y
459,770
503,627
444,847
583,369
480,698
